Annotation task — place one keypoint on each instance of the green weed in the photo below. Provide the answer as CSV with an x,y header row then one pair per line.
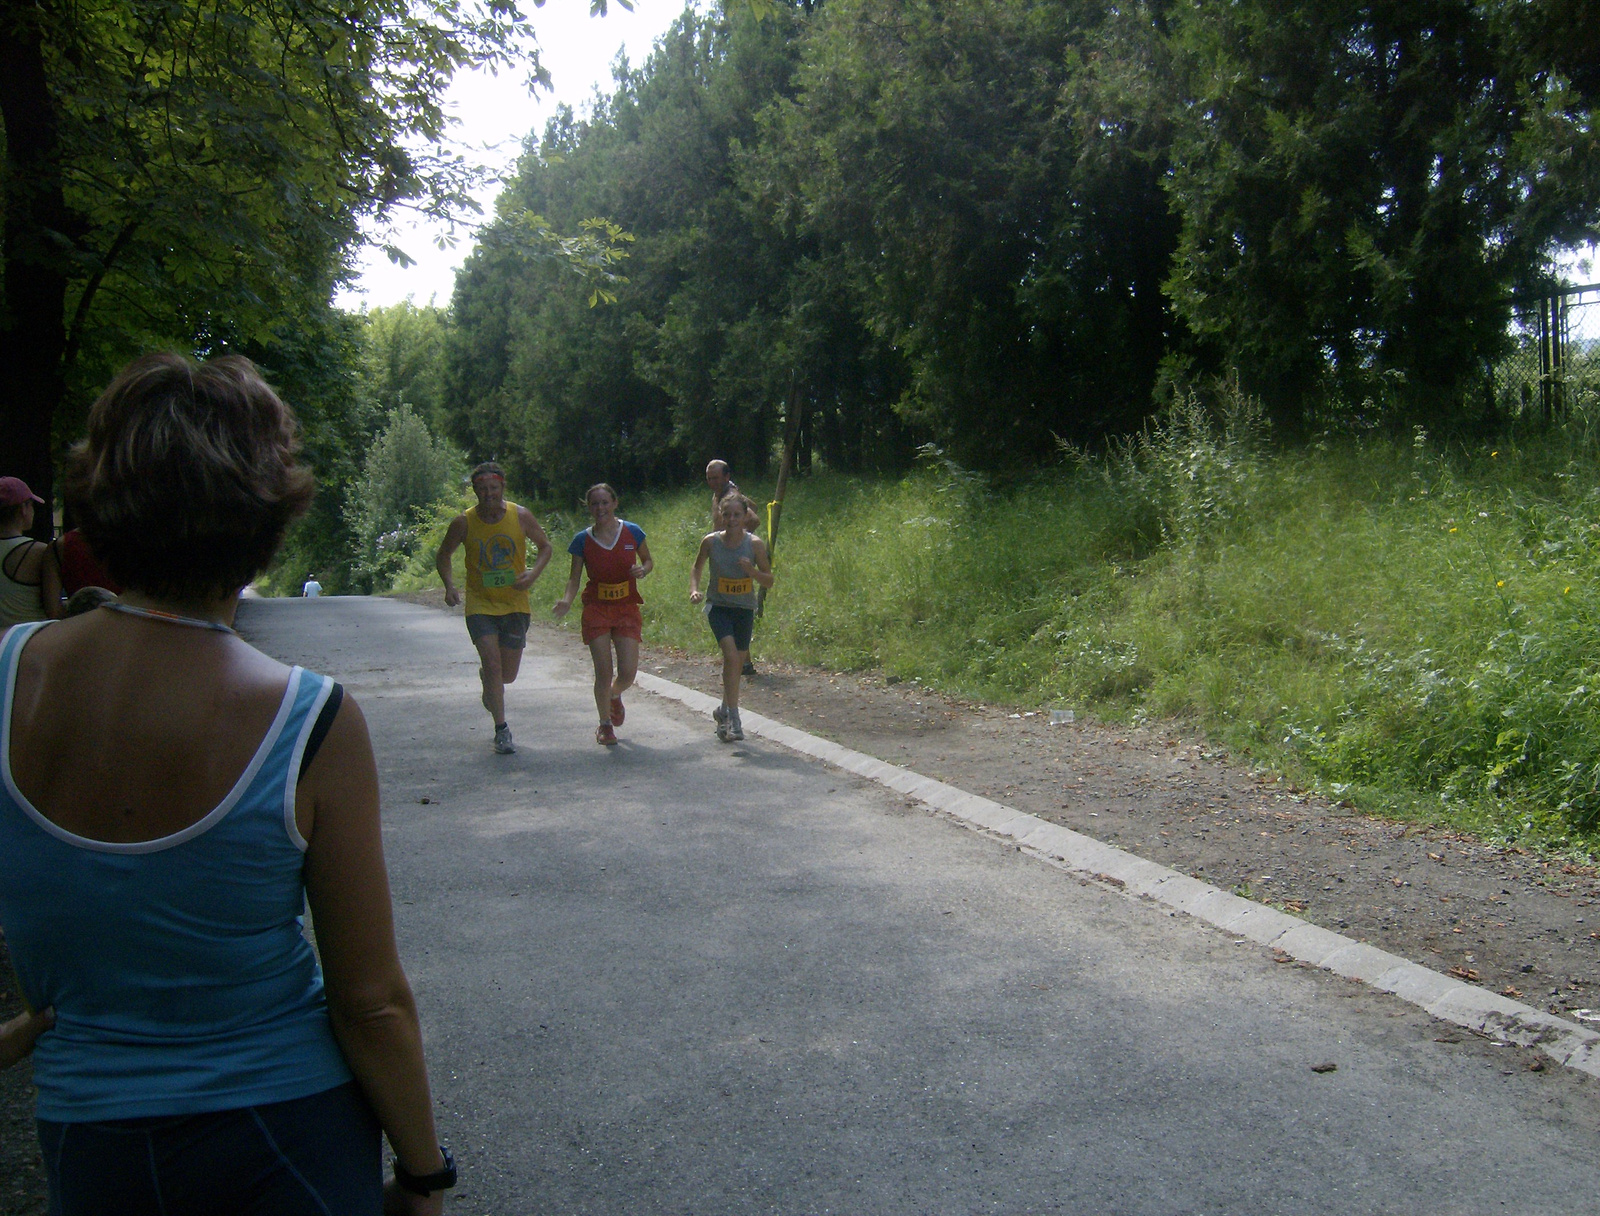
x,y
1409,627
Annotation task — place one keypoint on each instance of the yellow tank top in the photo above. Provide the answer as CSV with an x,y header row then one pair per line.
x,y
496,554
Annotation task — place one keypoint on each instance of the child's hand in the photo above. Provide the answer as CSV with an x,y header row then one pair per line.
x,y
696,597
560,608
748,566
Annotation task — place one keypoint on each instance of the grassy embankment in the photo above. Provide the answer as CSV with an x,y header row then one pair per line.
x,y
1410,628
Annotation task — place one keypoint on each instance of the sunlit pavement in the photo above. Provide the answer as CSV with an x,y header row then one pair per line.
x,y
678,976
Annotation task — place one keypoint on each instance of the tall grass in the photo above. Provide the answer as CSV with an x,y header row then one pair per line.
x,y
1409,626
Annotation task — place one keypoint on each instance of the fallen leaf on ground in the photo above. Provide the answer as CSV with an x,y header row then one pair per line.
x,y
1510,990
1464,973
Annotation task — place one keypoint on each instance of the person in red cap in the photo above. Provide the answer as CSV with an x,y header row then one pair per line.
x,y
29,585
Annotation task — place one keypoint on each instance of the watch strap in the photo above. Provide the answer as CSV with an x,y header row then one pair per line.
x,y
427,1184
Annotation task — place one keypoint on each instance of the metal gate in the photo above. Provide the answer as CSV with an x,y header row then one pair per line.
x,y
1554,364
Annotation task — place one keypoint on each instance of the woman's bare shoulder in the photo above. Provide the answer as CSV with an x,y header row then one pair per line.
x,y
98,642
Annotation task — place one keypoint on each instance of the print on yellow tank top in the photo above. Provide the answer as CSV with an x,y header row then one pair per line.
x,y
496,553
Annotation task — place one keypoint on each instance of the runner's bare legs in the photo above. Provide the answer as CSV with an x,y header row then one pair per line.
x,y
497,667
605,686
732,664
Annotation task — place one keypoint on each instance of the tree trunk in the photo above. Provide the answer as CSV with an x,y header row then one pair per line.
x,y
35,242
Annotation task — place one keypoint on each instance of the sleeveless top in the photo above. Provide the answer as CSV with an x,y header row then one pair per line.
x,y
180,975
609,581
19,602
496,554
730,586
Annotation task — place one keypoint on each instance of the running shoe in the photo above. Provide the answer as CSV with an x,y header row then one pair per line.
x,y
605,736
735,727
617,712
502,740
719,715
749,669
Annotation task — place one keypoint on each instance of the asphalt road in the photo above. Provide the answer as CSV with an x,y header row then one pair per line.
x,y
682,977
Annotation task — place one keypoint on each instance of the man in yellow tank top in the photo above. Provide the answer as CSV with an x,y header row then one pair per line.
x,y
496,534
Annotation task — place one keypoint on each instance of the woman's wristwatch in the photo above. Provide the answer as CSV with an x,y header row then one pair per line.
x,y
427,1184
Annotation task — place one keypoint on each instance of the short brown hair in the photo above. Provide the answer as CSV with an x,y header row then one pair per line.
x,y
487,469
188,478
600,485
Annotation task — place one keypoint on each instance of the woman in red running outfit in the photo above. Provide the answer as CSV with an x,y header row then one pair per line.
x,y
613,551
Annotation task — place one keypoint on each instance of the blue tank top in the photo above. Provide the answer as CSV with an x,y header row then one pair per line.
x,y
178,969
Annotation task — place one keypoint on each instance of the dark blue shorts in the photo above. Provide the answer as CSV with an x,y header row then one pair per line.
x,y
315,1156
735,623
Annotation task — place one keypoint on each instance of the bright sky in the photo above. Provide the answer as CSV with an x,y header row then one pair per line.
x,y
496,113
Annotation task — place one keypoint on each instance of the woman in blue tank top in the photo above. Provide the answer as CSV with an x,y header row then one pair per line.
x,y
170,800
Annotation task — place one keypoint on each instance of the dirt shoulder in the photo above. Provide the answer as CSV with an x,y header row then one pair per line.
x,y
1521,924
1509,920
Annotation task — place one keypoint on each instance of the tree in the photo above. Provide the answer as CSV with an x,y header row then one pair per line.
x,y
405,470
404,360
1361,185
180,171
946,157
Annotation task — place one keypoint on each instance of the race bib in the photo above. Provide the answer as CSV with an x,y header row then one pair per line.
x,y
610,592
499,578
733,586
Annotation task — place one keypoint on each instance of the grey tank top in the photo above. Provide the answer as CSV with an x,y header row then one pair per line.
x,y
730,586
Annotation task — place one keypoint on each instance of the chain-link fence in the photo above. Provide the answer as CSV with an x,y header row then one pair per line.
x,y
1554,365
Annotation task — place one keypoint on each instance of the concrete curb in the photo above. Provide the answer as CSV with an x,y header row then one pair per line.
x,y
1467,1005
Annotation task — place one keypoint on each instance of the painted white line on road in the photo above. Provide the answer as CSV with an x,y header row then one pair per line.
x,y
1443,996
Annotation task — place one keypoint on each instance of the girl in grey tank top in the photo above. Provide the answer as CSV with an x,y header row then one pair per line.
x,y
730,586
730,600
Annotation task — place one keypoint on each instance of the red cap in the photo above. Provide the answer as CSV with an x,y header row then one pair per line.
x,y
14,490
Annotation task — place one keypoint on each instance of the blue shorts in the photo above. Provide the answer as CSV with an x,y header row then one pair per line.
x,y
305,1157
735,623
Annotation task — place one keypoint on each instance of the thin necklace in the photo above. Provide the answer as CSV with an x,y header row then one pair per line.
x,y
172,618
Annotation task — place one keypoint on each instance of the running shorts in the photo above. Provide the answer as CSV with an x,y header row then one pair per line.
x,y
619,620
735,623
304,1157
511,626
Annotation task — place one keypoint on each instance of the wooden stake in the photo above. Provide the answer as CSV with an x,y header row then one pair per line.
x,y
791,438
